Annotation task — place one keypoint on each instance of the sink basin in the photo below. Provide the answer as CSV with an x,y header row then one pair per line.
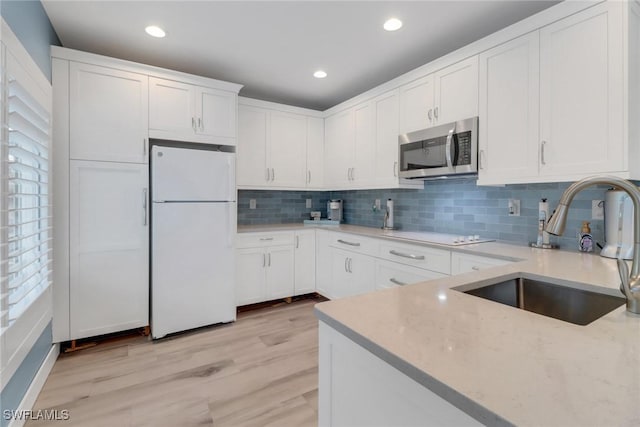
x,y
573,305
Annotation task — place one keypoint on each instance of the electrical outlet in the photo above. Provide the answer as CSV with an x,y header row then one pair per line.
x,y
378,204
308,204
252,203
514,207
597,209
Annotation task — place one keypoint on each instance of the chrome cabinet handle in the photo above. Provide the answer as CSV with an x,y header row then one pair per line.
x,y
395,169
297,242
435,112
264,260
475,268
264,239
308,177
200,123
345,265
397,282
267,175
193,123
273,174
144,207
353,174
403,255
430,114
481,159
350,264
344,242
542,157
144,147
269,259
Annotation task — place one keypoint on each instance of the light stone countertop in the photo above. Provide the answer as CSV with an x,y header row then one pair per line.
x,y
500,364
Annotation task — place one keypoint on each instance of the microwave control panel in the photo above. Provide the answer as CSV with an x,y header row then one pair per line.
x,y
464,148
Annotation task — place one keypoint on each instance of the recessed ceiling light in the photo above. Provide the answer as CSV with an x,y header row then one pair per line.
x,y
320,74
155,31
392,24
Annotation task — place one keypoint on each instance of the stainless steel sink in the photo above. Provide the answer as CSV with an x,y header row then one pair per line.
x,y
573,305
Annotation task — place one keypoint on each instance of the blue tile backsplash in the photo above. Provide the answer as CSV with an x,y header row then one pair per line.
x,y
455,206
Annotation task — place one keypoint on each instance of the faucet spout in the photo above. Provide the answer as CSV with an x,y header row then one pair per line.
x,y
557,223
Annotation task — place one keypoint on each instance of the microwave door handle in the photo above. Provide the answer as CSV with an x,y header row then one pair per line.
x,y
448,147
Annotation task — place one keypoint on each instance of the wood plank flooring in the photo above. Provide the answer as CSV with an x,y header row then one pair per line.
x,y
260,371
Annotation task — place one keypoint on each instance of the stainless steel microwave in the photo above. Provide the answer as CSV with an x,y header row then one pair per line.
x,y
441,151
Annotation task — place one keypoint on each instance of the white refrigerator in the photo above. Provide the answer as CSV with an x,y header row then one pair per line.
x,y
193,222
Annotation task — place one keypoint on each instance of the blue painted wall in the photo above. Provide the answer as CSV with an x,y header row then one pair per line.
x,y
456,206
30,23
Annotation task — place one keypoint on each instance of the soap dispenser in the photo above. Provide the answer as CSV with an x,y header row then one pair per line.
x,y
585,243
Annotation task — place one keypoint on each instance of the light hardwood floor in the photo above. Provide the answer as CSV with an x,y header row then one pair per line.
x,y
260,371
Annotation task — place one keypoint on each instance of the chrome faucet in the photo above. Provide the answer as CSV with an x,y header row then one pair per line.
x,y
630,286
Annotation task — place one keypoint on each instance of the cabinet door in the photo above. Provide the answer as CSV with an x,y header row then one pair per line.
x,y
109,247
339,134
108,114
216,115
352,273
456,94
416,105
323,264
251,159
305,262
280,261
386,130
363,167
581,92
251,266
171,108
315,152
509,111
287,149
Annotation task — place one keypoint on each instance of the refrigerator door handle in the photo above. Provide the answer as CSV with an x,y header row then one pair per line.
x,y
144,207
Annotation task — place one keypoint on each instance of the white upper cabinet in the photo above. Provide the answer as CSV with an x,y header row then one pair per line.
x,y
509,103
186,112
456,91
108,114
315,153
287,149
278,149
251,156
445,96
416,105
364,146
386,130
581,93
339,131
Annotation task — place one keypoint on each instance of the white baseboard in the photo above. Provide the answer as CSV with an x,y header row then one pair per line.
x,y
35,388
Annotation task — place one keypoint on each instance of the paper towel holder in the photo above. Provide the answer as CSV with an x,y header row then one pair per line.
x,y
387,223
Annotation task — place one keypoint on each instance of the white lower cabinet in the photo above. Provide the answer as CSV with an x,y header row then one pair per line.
x,y
109,247
264,266
390,274
305,262
357,388
465,263
263,274
352,273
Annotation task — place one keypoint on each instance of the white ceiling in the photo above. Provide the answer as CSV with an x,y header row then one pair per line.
x,y
273,47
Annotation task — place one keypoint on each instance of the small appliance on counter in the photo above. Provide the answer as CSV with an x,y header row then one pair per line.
x,y
618,225
334,210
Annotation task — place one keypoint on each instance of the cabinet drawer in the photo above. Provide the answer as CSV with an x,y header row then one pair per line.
x,y
260,240
418,256
390,274
465,263
354,243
